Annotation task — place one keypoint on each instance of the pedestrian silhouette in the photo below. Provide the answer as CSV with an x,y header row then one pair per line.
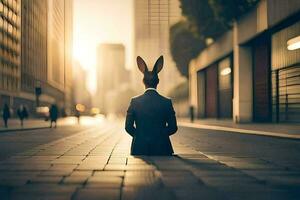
x,y
53,113
22,114
150,117
77,115
192,117
6,115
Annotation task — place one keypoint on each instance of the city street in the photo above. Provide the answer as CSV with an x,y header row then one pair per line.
x,y
85,84
92,161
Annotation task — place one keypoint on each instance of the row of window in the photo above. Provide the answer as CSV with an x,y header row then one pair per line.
x,y
11,5
8,57
9,28
11,17
8,82
9,46
9,67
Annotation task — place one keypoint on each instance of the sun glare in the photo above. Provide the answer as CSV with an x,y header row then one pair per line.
x,y
91,28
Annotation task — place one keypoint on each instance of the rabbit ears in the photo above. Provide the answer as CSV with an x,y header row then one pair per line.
x,y
157,67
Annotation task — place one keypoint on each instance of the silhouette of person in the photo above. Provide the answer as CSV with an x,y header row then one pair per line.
x,y
77,115
192,117
22,114
150,118
6,115
53,113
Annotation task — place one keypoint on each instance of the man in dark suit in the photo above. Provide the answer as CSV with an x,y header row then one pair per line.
x,y
150,117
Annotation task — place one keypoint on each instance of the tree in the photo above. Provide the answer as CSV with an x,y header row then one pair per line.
x,y
184,46
226,11
205,19
211,18
180,91
201,16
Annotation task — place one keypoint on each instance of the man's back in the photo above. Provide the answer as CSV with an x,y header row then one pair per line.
x,y
150,118
154,119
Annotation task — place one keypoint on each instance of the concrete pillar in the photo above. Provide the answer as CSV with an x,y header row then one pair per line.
x,y
243,92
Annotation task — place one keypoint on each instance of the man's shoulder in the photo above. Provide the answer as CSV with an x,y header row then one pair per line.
x,y
142,97
137,97
166,98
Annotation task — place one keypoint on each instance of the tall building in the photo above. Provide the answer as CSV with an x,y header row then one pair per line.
x,y
34,52
68,56
153,19
56,49
81,94
10,50
111,72
59,55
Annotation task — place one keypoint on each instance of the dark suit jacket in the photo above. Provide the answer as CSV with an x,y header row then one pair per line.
x,y
150,121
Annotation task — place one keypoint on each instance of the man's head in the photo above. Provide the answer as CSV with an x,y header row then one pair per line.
x,y
150,77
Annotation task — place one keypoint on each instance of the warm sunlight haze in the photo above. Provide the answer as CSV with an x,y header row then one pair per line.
x,y
101,21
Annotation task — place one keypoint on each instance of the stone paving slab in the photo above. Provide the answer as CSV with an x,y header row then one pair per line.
x,y
98,165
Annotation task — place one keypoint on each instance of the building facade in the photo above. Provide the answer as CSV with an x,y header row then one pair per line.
x,y
153,19
56,49
252,72
36,43
10,50
68,55
34,52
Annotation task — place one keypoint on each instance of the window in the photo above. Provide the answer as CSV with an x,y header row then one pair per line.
x,y
1,7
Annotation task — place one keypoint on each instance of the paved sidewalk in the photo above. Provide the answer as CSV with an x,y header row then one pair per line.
x,y
29,124
97,165
14,124
283,130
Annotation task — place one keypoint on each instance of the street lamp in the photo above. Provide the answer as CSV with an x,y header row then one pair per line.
x,y
294,43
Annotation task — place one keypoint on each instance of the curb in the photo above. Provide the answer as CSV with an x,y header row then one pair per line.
x,y
23,129
239,130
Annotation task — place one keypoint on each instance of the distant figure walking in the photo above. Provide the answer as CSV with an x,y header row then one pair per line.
x,y
53,112
77,115
150,117
22,114
6,115
192,117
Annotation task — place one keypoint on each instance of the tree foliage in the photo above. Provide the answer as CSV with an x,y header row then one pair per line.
x,y
212,17
205,19
201,17
184,46
180,91
226,11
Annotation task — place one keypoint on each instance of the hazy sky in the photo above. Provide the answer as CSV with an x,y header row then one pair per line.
x,y
101,21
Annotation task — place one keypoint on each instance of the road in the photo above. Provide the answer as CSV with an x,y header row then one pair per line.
x,y
93,162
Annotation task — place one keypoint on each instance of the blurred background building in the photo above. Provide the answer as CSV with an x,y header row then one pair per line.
x,y
59,54
111,76
68,54
81,94
153,19
35,53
